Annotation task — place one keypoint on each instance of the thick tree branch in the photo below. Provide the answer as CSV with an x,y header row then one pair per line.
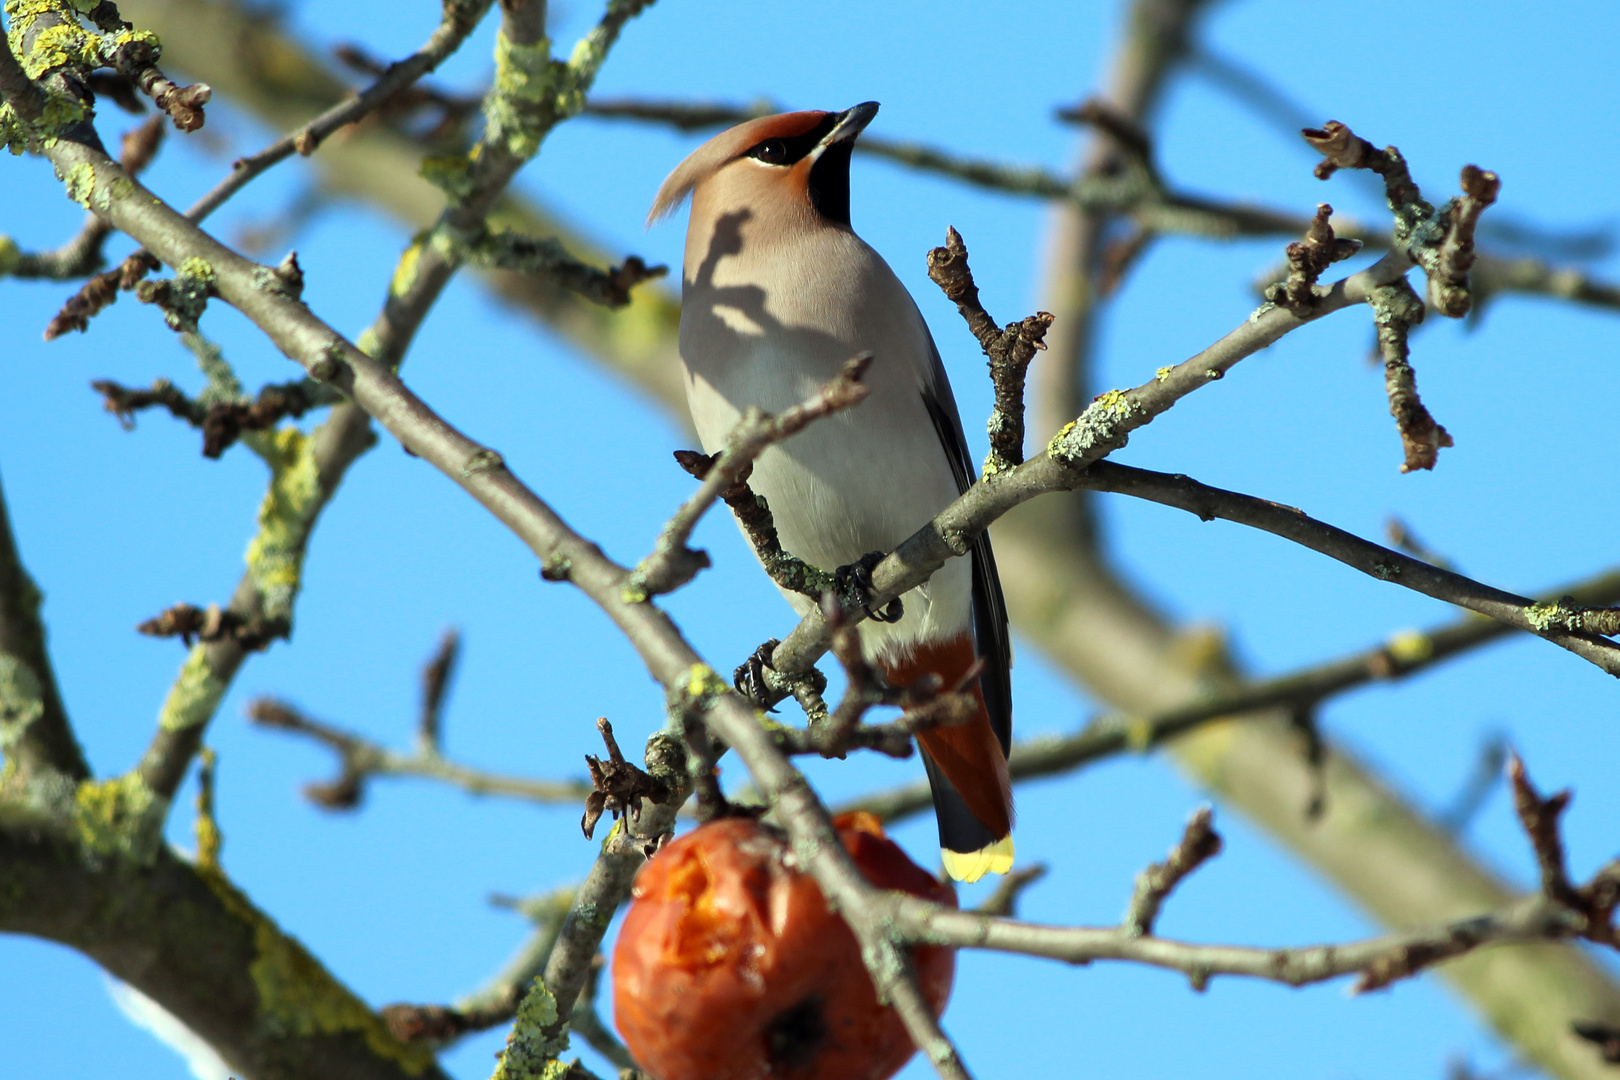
x,y
458,20
187,938
36,737
82,254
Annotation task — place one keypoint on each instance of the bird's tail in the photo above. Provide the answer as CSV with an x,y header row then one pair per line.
x,y
967,769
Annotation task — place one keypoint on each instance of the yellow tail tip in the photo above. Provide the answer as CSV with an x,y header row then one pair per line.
x,y
970,866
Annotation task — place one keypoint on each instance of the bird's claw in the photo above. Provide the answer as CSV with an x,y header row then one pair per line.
x,y
749,678
855,580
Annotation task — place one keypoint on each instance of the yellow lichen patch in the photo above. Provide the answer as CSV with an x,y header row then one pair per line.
x,y
1163,373
209,838
526,82
10,257
125,38
198,269
81,183
1113,401
1544,617
61,45
523,72
119,816
276,554
451,173
701,682
298,996
1411,646
195,695
405,272
369,343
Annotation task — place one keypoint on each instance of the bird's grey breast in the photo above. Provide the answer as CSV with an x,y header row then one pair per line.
x,y
767,324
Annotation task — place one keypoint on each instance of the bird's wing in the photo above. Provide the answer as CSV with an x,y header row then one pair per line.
x,y
989,607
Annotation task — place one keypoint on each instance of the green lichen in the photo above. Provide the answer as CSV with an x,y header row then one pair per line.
x,y
81,183
209,838
275,557
195,695
223,385
59,113
451,173
1545,617
10,256
183,298
121,816
22,699
634,592
522,105
298,996
590,52
536,1039
703,684
369,343
485,460
1163,373
1104,425
125,39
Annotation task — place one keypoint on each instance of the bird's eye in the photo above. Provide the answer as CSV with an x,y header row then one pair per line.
x,y
771,151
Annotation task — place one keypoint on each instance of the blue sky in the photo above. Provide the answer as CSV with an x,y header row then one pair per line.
x,y
115,525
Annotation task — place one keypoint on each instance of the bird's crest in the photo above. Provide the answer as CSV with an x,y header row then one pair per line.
x,y
727,146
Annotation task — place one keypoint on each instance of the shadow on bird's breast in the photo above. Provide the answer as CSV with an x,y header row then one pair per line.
x,y
733,332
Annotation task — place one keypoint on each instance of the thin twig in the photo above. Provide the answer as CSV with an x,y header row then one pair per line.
x,y
1199,843
671,563
360,759
435,685
1009,350
496,1002
1560,911
1376,561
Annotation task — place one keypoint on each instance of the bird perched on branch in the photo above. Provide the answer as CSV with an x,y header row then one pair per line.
x,y
777,293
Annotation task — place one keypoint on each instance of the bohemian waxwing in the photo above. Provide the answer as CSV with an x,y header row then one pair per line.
x,y
777,293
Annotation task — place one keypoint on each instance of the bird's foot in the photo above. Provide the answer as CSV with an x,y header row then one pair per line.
x,y
854,582
749,678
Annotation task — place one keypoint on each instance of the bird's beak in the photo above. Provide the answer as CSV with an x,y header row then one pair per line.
x,y
851,122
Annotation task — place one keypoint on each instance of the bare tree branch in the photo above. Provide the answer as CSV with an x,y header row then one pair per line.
x,y
459,19
1108,736
671,563
360,760
36,737
1009,351
1208,503
82,254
